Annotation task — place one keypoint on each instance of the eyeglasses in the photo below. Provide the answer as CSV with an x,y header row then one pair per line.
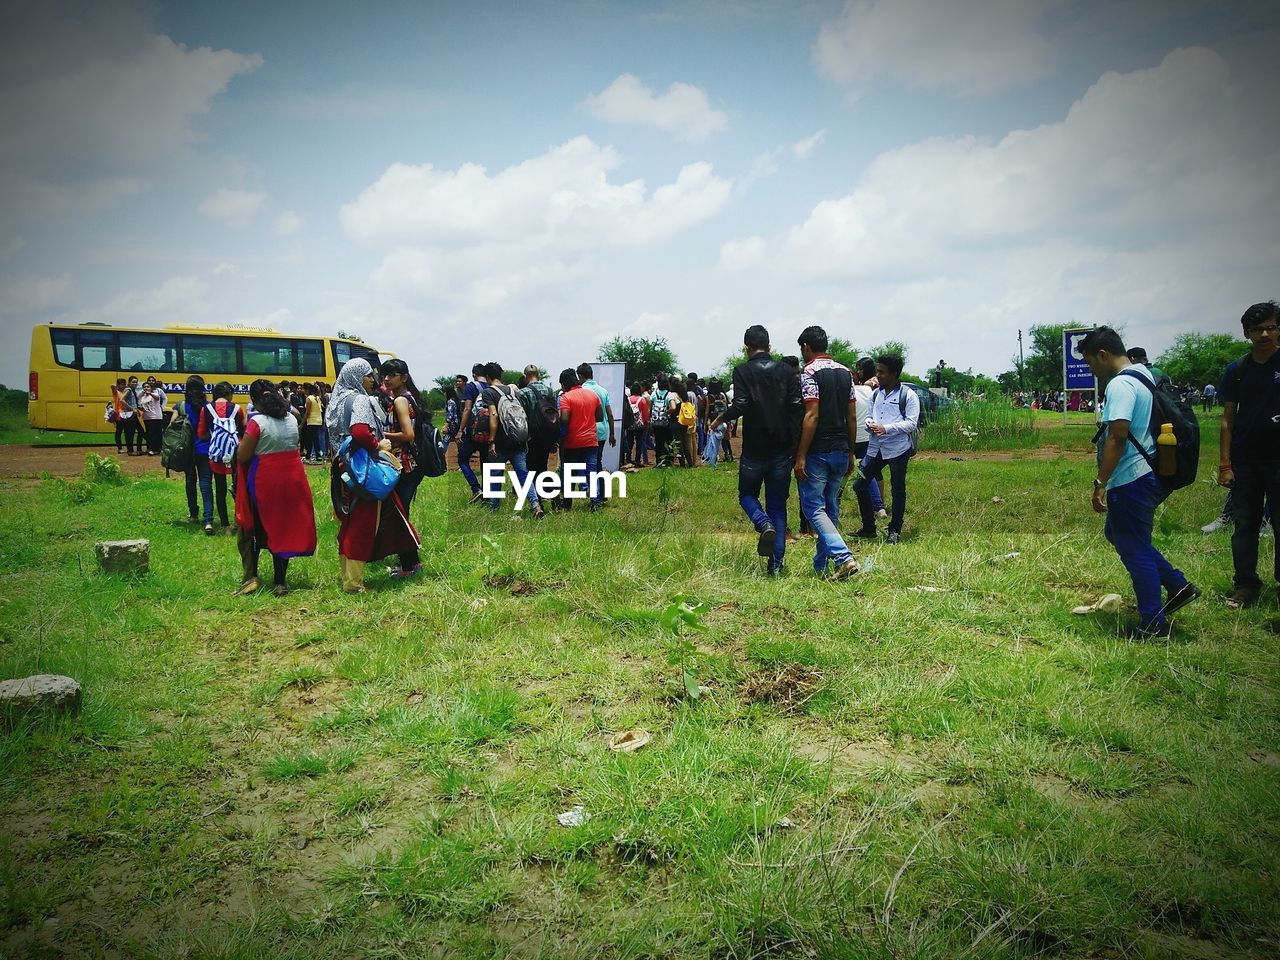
x,y
1265,330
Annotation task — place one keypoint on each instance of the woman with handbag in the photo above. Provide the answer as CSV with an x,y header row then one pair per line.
x,y
368,529
274,509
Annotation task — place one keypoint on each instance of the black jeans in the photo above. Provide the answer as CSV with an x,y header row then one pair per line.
x,y
155,435
662,444
406,490
1255,482
872,468
129,430
539,453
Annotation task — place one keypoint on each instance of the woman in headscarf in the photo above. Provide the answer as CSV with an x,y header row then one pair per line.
x,y
274,509
367,529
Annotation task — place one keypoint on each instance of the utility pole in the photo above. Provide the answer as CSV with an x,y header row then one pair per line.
x,y
1022,383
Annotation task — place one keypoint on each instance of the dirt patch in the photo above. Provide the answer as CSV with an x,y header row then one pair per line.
x,y
1052,786
845,756
1264,757
29,462
789,687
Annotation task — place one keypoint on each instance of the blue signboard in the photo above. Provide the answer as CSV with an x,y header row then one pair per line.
x,y
1076,372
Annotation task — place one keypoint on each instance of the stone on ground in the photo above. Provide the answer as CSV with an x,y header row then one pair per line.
x,y
124,556
43,693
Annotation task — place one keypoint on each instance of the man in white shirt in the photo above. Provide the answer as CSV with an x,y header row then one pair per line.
x,y
893,424
864,385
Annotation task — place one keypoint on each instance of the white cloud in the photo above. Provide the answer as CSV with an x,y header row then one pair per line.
x,y
803,149
963,49
94,103
1139,154
683,110
1149,204
742,254
235,208
25,295
287,224
465,234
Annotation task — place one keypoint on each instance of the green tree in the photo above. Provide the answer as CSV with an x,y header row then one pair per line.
x,y
1043,368
1199,358
645,358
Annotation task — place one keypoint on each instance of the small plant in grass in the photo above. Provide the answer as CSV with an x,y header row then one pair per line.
x,y
98,472
681,615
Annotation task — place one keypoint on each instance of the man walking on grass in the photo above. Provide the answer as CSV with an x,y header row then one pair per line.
x,y
1250,445
605,430
767,394
823,458
1126,488
467,444
580,414
892,423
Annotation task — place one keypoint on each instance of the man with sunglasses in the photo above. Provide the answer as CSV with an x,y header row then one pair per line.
x,y
1250,444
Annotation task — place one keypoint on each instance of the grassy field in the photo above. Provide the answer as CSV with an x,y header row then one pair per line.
x,y
933,760
14,429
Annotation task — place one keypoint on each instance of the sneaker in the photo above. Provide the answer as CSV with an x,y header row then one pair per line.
x,y
882,514
845,570
764,546
893,537
476,497
279,590
866,533
538,513
1180,598
399,574
208,529
1216,524
1144,634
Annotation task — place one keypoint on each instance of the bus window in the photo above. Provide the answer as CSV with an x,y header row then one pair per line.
x,y
64,347
208,354
149,352
342,352
262,356
97,350
310,358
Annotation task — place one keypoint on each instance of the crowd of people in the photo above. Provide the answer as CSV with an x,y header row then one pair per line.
x,y
810,418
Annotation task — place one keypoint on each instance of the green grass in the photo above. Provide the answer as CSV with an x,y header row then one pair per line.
x,y
981,425
868,771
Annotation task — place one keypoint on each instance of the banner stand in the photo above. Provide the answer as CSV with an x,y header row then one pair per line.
x,y
1076,375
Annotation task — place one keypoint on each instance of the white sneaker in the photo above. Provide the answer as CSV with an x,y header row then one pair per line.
x,y
882,514
1215,525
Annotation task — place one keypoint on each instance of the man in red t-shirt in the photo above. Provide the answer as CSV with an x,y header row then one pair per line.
x,y
580,411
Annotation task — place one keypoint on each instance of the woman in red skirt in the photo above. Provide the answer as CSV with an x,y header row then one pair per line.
x,y
367,529
274,509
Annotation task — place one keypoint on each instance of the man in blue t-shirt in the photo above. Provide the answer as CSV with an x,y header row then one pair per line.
x,y
1249,461
469,442
1126,488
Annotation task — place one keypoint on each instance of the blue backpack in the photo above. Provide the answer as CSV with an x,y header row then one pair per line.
x,y
367,476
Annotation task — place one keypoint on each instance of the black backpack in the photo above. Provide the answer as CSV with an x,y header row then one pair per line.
x,y
1167,407
178,445
546,424
428,447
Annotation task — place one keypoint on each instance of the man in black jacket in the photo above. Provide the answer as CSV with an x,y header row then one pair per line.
x,y
767,395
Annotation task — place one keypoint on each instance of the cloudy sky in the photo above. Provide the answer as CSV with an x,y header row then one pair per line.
x,y
521,182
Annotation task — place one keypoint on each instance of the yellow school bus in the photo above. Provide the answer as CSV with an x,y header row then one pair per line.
x,y
74,367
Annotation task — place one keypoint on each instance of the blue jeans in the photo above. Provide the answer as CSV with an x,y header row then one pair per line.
x,y
200,473
872,467
873,487
1131,513
820,501
775,474
467,448
711,449
591,457
520,464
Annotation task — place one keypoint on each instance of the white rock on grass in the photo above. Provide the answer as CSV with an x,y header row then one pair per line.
x,y
43,693
124,556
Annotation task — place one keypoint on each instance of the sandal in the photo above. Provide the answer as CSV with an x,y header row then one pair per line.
x,y
247,587
1241,597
